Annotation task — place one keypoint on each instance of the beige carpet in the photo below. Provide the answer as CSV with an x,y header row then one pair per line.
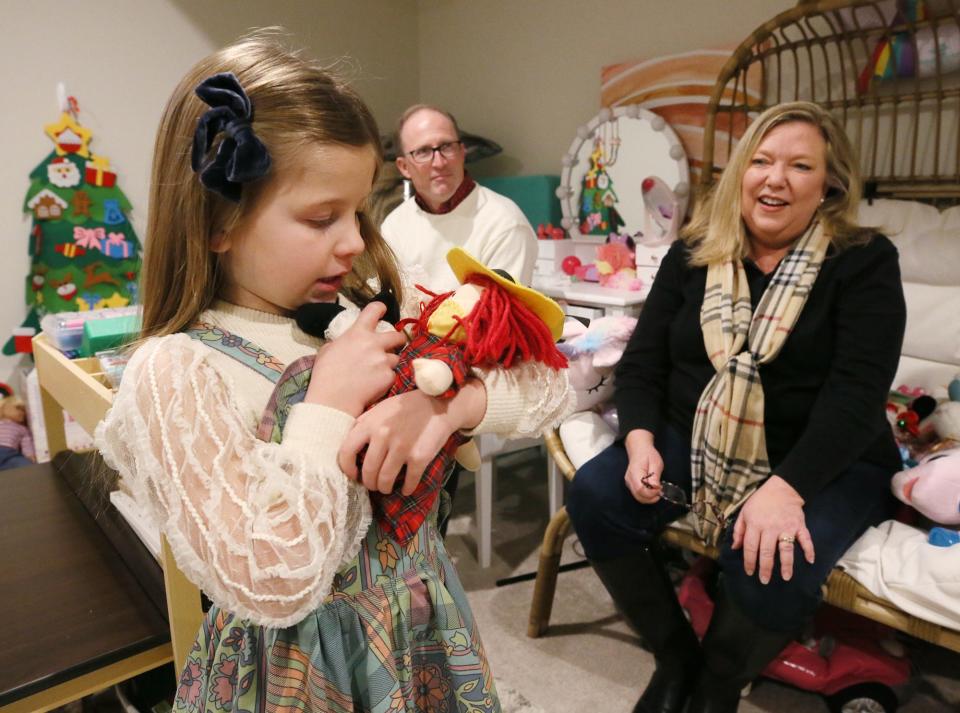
x,y
589,661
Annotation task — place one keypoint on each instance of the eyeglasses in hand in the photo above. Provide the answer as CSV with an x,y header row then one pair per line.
x,y
424,154
676,495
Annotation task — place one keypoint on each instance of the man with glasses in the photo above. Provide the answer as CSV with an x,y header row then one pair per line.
x,y
449,209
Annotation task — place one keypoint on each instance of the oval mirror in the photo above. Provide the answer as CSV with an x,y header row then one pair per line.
x,y
601,184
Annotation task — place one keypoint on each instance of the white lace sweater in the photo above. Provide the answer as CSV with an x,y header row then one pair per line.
x,y
263,527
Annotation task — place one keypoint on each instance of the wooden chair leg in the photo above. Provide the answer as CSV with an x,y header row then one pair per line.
x,y
546,583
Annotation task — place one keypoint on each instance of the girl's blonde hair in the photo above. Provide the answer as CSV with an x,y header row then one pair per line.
x,y
716,231
296,104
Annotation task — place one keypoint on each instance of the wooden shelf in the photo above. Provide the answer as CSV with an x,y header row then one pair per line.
x,y
79,387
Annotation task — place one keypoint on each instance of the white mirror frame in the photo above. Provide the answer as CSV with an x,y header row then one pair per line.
x,y
569,195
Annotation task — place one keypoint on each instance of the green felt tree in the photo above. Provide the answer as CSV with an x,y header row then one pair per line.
x,y
84,252
598,199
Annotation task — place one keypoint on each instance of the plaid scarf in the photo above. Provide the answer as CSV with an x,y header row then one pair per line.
x,y
729,450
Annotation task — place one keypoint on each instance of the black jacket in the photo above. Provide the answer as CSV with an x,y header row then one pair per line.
x,y
824,394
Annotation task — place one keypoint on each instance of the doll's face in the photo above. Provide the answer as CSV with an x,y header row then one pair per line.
x,y
15,412
459,304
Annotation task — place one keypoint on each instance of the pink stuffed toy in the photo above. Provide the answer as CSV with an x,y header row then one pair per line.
x,y
592,352
615,263
932,487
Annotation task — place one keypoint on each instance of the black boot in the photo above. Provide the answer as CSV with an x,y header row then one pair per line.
x,y
645,596
735,651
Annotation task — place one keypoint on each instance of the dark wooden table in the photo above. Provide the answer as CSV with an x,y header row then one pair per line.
x,y
76,616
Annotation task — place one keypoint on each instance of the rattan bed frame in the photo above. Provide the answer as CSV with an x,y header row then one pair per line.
x,y
907,134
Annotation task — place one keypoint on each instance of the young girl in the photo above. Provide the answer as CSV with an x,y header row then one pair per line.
x,y
263,163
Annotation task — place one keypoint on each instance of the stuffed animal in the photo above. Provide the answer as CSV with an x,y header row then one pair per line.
x,y
593,351
616,264
490,320
932,487
16,442
945,419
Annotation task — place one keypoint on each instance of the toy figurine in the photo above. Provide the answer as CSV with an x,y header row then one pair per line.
x,y
16,443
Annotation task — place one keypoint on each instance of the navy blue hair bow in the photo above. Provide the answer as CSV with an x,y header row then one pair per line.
x,y
241,156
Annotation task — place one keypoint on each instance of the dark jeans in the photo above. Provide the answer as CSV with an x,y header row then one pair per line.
x,y
12,458
611,523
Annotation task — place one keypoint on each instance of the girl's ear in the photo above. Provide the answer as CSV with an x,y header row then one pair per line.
x,y
220,243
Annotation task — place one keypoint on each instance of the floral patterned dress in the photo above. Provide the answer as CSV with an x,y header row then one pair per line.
x,y
395,634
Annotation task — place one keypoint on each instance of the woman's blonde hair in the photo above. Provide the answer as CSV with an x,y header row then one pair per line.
x,y
716,232
296,104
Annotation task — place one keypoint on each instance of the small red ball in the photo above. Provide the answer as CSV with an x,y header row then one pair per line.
x,y
570,264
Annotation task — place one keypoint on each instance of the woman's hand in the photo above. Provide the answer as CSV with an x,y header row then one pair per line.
x,y
408,429
773,512
356,368
644,466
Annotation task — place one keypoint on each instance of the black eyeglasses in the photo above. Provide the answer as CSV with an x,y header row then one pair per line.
x,y
676,495
425,154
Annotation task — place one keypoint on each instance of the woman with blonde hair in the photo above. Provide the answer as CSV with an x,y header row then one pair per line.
x,y
751,393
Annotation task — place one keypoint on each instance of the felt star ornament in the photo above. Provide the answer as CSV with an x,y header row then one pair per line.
x,y
69,136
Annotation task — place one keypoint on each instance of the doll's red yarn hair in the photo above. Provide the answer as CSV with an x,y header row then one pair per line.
x,y
501,330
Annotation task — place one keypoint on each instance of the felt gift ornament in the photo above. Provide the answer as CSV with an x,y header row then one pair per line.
x,y
68,250
116,246
98,174
75,202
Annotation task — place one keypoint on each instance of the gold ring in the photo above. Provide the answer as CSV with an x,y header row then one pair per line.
x,y
787,539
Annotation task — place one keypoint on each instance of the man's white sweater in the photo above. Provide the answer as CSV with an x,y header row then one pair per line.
x,y
487,225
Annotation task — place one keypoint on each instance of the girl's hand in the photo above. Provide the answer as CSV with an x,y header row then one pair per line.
x,y
769,522
408,429
644,468
357,367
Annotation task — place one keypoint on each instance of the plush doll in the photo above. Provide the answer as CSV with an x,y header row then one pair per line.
x,y
16,442
932,487
593,351
616,264
490,320
945,419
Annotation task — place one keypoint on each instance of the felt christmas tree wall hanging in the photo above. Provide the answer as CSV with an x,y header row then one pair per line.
x,y
598,199
84,252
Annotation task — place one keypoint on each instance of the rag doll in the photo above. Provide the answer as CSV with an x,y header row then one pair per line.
x,y
490,320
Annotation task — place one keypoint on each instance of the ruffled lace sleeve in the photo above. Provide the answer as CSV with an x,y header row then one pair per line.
x,y
525,400
260,527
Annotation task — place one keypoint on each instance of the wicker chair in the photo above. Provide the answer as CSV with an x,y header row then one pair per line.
x,y
905,132
840,590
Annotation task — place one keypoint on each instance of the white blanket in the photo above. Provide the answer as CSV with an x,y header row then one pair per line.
x,y
894,561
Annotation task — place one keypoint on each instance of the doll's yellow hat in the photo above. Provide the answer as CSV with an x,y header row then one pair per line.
x,y
464,264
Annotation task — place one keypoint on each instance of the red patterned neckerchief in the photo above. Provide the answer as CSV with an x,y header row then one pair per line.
x,y
453,201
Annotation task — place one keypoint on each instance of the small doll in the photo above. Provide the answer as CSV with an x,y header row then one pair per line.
x,y
16,443
490,320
